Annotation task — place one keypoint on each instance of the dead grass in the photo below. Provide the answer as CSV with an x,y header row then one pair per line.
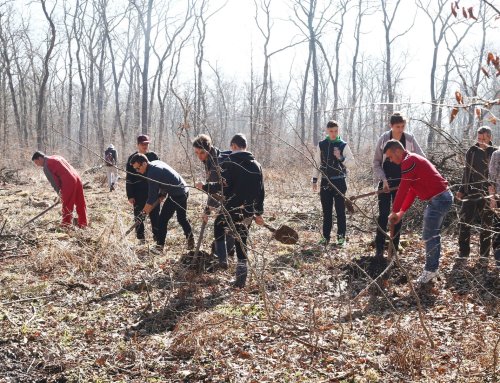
x,y
91,305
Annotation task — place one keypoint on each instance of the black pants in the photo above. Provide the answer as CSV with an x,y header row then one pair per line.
x,y
242,221
477,207
173,204
385,201
140,201
330,196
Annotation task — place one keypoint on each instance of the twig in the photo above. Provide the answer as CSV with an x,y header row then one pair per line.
x,y
8,303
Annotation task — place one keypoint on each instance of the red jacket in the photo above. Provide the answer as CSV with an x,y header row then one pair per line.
x,y
419,178
60,173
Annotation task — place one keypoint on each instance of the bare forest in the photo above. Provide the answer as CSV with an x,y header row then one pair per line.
x,y
98,305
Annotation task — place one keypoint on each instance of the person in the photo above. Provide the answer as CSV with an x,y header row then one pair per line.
x,y
494,189
334,157
474,188
110,158
419,178
243,190
211,156
67,183
388,175
137,188
164,183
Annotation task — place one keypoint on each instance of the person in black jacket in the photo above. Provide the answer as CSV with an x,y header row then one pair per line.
x,y
333,158
474,188
211,157
110,158
165,182
243,189
137,188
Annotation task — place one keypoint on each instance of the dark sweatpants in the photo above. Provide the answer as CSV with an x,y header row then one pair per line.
x,y
385,201
173,204
469,211
330,197
140,201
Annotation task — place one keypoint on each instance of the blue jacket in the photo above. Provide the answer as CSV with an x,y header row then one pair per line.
x,y
164,180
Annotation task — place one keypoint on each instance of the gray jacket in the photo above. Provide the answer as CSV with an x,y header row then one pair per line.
x,y
494,170
379,157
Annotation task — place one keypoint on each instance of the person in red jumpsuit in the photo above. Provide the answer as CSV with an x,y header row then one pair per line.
x,y
67,183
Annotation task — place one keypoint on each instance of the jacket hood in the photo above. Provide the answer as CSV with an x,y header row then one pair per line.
x,y
241,156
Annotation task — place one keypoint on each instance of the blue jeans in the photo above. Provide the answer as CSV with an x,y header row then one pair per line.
x,y
433,220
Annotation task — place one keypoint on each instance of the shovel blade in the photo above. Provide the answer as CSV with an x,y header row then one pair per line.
x,y
285,234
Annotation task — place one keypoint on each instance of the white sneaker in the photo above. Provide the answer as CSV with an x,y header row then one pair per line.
x,y
426,277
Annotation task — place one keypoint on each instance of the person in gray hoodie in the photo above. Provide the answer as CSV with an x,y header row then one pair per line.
x,y
494,191
388,175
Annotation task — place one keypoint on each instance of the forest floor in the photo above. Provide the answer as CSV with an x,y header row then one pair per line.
x,y
93,306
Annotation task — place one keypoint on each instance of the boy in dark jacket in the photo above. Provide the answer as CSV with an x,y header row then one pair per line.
x,y
243,189
137,188
475,188
211,158
333,156
164,182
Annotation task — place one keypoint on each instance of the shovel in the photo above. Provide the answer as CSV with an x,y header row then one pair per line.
x,y
43,212
348,202
284,234
137,223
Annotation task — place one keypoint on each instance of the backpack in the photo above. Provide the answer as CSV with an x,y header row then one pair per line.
x,y
108,157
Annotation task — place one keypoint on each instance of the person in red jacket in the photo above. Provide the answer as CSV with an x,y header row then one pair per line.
x,y
419,178
67,183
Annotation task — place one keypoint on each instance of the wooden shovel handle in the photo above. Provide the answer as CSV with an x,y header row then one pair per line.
x,y
270,228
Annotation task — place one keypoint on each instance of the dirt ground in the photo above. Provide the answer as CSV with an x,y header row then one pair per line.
x,y
95,306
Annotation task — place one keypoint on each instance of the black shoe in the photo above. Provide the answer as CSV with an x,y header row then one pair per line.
x,y
221,266
190,242
379,254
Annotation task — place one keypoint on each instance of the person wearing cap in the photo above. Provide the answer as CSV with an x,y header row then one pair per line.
x,y
473,192
419,178
67,183
137,188
110,159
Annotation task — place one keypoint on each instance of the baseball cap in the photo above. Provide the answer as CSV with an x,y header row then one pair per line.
x,y
143,139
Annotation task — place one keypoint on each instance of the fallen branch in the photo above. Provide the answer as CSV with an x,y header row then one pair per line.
x,y
8,303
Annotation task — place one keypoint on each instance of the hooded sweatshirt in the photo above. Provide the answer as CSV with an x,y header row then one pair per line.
x,y
242,183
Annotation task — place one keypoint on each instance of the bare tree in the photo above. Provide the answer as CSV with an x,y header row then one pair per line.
x,y
41,133
442,24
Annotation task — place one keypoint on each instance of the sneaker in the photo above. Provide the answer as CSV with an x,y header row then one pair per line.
x,y
426,276
323,242
156,249
340,241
